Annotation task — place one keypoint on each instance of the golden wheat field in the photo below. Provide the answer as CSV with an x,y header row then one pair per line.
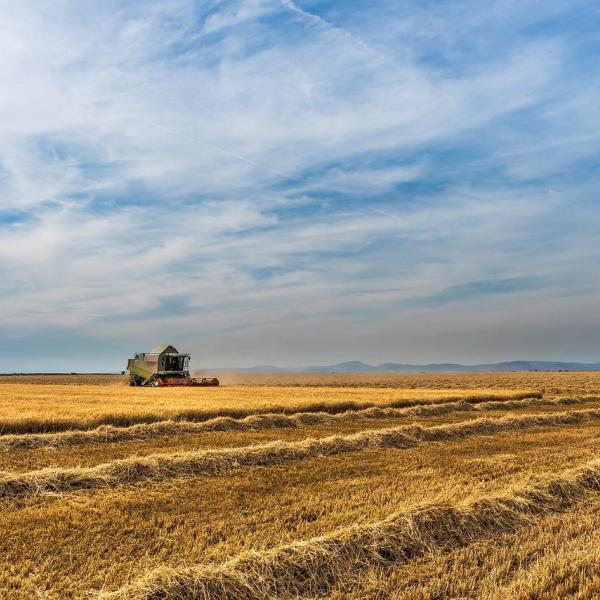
x,y
355,486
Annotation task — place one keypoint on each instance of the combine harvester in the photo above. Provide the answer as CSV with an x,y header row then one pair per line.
x,y
164,367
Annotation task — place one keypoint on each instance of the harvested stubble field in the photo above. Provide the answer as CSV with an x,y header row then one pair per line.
x,y
486,486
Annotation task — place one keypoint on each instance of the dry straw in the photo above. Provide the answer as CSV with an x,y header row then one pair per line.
x,y
45,425
158,467
313,567
106,434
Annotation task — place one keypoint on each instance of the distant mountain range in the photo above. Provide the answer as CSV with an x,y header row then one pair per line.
x,y
356,366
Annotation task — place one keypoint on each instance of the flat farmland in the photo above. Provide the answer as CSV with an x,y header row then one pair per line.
x,y
483,487
45,407
548,382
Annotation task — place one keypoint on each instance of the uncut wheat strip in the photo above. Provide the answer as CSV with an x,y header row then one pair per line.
x,y
109,433
158,467
314,566
106,434
48,425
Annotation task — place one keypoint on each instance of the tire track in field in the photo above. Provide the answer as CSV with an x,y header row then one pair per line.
x,y
313,567
107,434
159,467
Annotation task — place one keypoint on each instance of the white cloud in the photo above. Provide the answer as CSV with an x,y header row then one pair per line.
x,y
187,150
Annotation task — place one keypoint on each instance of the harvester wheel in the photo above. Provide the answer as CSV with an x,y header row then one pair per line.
x,y
135,380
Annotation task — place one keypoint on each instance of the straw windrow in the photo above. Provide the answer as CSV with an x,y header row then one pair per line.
x,y
315,566
158,467
258,422
106,434
18,425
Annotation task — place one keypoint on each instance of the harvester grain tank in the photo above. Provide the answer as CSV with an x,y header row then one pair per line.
x,y
164,367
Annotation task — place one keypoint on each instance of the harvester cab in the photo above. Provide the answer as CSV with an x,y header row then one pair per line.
x,y
164,367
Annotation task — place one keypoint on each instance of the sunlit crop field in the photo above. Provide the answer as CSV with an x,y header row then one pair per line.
x,y
549,383
39,407
485,486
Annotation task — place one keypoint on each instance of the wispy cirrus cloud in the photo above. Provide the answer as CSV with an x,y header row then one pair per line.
x,y
219,172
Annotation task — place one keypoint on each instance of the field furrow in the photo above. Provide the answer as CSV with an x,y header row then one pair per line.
x,y
159,467
314,566
276,491
107,434
556,557
101,538
55,408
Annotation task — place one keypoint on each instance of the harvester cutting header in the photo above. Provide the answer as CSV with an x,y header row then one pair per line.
x,y
164,367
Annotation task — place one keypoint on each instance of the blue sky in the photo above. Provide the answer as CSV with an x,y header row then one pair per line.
x,y
298,181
